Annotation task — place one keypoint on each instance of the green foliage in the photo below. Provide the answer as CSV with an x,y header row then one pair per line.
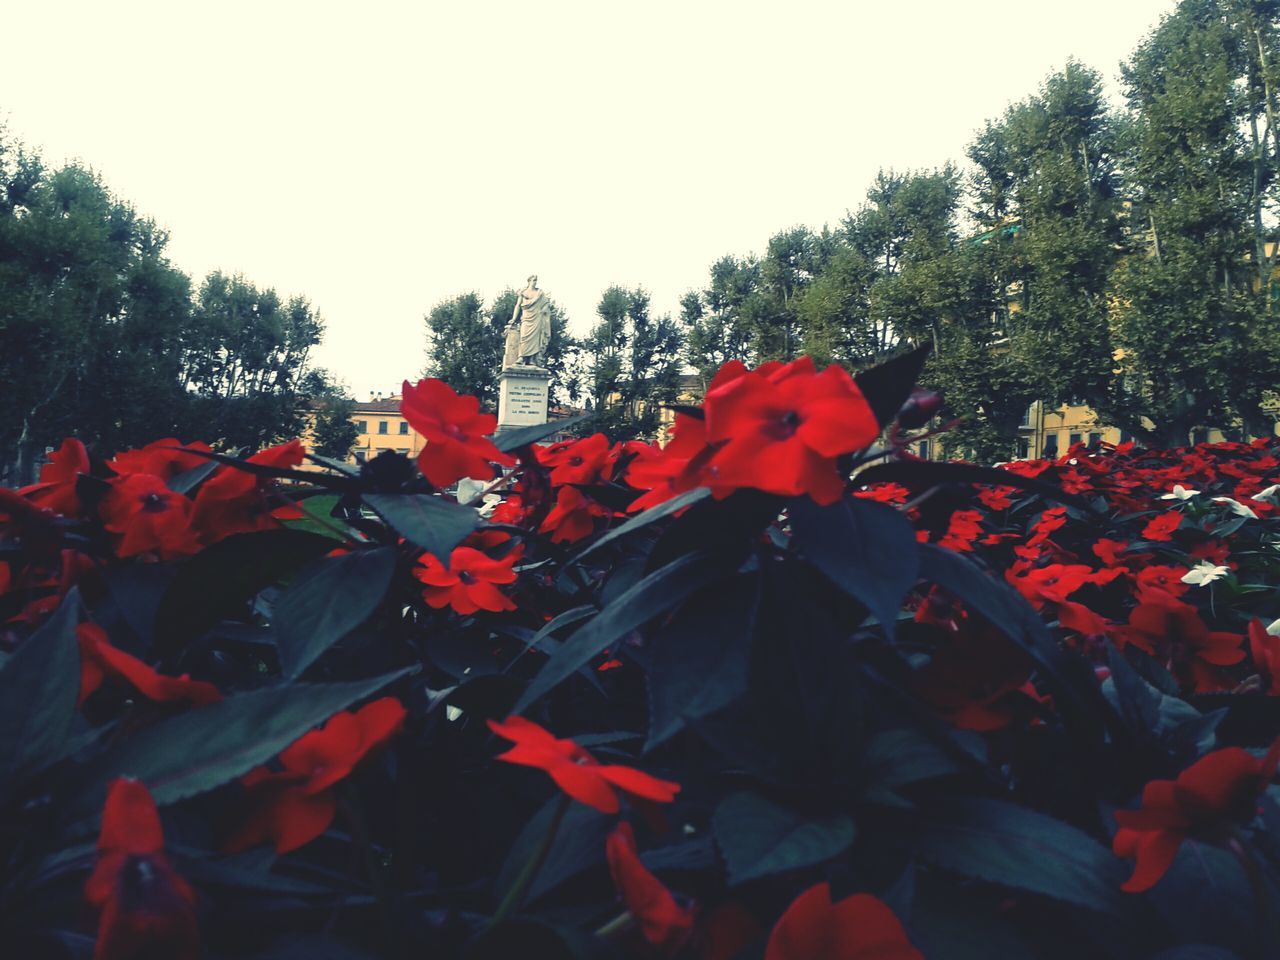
x,y
334,433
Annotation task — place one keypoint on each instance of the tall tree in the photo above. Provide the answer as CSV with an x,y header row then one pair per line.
x,y
464,346
333,430
633,364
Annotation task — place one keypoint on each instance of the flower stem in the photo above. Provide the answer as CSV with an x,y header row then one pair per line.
x,y
515,896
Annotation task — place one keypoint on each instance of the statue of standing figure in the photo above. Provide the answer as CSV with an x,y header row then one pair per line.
x,y
529,331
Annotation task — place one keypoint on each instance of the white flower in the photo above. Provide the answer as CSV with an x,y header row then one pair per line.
x,y
1205,572
1239,509
1180,493
1274,628
1270,495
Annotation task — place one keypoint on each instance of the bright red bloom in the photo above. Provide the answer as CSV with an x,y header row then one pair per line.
x,y
685,463
963,531
99,660
1174,631
576,461
1052,583
576,771
884,493
1265,651
664,923
860,927
455,430
237,501
149,517
573,516
1167,580
293,807
468,584
1208,798
1161,527
1050,521
56,490
164,458
996,498
147,909
783,431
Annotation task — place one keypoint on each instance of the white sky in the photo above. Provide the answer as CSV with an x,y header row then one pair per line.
x,y
380,157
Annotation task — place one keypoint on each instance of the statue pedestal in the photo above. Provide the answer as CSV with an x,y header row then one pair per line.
x,y
522,396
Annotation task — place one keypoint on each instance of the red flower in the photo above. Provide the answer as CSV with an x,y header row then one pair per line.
x,y
664,923
455,430
685,463
164,459
572,518
996,498
1161,527
884,493
860,927
1052,583
576,771
1208,798
1175,631
469,582
149,517
237,501
783,431
147,909
963,531
1165,579
293,807
1050,520
975,679
99,660
57,487
1265,650
576,461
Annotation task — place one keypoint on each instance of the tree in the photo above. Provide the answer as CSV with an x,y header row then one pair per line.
x,y
715,331
1193,309
464,346
334,431
633,364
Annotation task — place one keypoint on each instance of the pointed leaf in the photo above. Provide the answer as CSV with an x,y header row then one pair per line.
x,y
867,549
666,509
509,440
888,385
435,524
204,748
651,596
39,686
758,837
327,601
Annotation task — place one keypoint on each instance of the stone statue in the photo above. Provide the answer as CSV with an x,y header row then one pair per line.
x,y
529,332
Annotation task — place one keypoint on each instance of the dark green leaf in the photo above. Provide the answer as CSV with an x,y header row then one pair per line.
x,y
888,385
578,846
674,505
1011,845
327,601
759,837
188,480
895,758
336,465
207,747
39,686
655,594
509,440
432,523
700,658
867,549
223,577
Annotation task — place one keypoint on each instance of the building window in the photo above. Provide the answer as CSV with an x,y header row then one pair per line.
x,y
1024,448
382,426
362,426
1125,436
1050,446
1200,435
359,456
1095,439
924,449
404,427
1026,417
1073,439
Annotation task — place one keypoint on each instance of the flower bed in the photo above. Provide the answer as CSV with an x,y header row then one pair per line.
x,y
714,700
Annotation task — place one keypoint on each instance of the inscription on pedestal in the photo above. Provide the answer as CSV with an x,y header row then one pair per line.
x,y
522,398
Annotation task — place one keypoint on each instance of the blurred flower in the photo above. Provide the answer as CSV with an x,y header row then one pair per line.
x,y
1203,573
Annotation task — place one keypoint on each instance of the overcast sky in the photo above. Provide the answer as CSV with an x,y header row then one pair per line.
x,y
380,157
